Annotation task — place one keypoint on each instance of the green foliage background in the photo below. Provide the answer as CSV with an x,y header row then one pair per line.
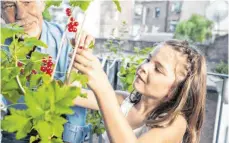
x,y
195,29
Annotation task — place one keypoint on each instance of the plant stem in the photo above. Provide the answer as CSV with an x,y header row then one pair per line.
x,y
17,77
19,83
59,52
77,37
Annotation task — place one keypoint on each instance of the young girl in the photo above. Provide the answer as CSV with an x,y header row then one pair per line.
x,y
167,105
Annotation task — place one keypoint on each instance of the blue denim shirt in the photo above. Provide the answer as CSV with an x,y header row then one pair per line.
x,y
75,129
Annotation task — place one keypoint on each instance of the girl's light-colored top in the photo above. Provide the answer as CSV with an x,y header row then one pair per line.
x,y
125,108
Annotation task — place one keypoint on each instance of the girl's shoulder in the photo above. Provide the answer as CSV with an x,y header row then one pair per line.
x,y
121,95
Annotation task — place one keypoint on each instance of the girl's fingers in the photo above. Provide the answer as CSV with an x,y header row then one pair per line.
x,y
82,60
81,68
87,54
88,40
82,40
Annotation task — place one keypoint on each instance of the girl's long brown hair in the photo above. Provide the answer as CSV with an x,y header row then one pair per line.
x,y
187,98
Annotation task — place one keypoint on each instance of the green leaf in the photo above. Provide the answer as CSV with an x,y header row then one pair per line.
x,y
91,45
23,80
49,3
114,49
122,71
38,56
82,4
45,130
83,95
130,88
33,41
18,121
12,95
64,98
46,79
83,79
95,118
9,30
12,47
56,140
14,72
4,55
10,85
130,79
28,68
46,15
136,50
116,2
36,102
57,123
6,73
35,80
32,139
22,52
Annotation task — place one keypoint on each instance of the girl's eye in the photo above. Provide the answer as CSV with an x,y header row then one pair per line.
x,y
157,69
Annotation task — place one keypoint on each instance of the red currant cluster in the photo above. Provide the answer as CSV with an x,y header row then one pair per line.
x,y
47,66
73,23
68,12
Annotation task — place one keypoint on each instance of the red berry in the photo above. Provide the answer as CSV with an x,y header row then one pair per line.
x,y
19,64
72,19
34,71
69,29
74,30
49,64
68,10
43,68
75,23
70,25
68,14
49,71
44,60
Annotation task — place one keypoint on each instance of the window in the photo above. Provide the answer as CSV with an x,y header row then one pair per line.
x,y
176,7
172,26
138,10
157,12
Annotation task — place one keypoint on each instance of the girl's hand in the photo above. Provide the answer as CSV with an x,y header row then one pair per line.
x,y
90,65
85,40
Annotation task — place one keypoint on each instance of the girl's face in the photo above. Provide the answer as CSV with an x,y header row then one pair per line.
x,y
156,76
